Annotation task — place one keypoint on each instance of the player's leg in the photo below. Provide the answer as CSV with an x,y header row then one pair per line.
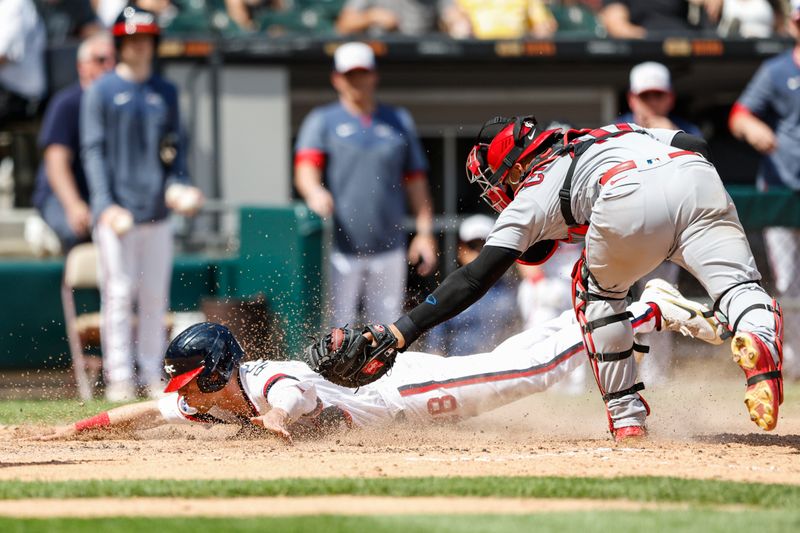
x,y
385,285
344,287
624,242
115,269
714,248
154,276
430,388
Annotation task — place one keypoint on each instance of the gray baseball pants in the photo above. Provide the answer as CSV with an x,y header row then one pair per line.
x,y
678,211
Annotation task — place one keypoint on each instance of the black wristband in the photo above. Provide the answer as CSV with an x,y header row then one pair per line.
x,y
408,329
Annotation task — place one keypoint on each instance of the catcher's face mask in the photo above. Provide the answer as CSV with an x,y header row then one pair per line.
x,y
502,142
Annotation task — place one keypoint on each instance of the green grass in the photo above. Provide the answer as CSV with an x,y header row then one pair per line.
x,y
650,489
618,522
49,411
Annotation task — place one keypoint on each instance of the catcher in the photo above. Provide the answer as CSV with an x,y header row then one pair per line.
x,y
209,382
637,197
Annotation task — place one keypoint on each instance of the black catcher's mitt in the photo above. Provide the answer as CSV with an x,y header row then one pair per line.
x,y
345,357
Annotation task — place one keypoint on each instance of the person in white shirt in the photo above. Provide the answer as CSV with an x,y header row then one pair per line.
x,y
22,44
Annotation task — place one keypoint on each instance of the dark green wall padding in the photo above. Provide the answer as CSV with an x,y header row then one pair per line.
x,y
281,258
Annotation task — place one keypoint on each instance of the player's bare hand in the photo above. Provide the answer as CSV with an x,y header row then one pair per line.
x,y
320,201
79,217
117,218
761,137
277,421
184,199
422,253
57,433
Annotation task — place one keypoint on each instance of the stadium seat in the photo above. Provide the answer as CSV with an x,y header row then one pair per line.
x,y
80,272
83,330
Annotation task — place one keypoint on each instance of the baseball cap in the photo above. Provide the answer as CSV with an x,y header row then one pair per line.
x,y
353,56
475,227
650,76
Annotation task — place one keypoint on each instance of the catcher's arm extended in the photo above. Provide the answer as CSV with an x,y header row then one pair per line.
x,y
458,291
141,415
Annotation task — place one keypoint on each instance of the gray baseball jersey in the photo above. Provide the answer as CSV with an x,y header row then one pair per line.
x,y
535,213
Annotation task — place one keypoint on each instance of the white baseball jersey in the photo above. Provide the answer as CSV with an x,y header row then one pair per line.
x,y
535,213
421,387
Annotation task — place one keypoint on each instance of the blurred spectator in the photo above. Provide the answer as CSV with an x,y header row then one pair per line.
x,y
751,19
245,12
767,116
61,194
635,19
651,99
490,320
135,167
108,10
68,19
22,44
500,19
575,19
377,17
370,158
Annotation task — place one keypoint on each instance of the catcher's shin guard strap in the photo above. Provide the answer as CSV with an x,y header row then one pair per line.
x,y
775,374
624,392
606,320
612,356
753,307
592,297
641,348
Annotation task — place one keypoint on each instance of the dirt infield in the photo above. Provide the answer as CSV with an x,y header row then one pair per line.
x,y
332,505
699,429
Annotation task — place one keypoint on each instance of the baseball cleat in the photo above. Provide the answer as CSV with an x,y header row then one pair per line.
x,y
678,313
630,433
764,392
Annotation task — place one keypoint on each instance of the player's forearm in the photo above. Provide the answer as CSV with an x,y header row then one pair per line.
x,y
58,167
419,198
140,415
93,153
307,179
458,291
743,122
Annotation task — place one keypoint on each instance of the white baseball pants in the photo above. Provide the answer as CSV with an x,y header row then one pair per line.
x,y
379,279
135,271
428,388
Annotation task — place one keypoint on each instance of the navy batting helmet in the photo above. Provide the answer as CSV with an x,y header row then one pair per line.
x,y
207,351
134,21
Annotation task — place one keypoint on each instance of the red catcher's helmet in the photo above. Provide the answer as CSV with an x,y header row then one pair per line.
x,y
496,152
132,21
